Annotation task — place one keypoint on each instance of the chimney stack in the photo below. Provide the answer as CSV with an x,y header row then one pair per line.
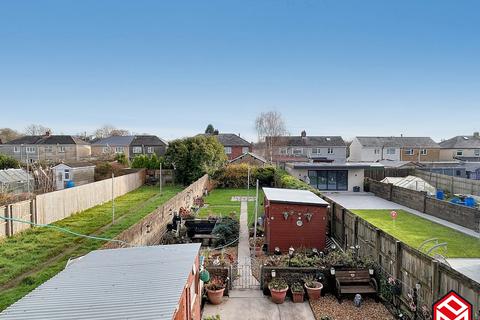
x,y
304,134
47,133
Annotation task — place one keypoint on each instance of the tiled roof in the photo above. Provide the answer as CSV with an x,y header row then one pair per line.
x,y
52,139
148,140
310,141
398,142
115,141
230,140
461,142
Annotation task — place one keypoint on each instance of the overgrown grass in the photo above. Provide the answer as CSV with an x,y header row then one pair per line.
x,y
27,251
219,203
413,230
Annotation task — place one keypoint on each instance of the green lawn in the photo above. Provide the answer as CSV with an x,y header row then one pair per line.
x,y
34,256
413,230
219,203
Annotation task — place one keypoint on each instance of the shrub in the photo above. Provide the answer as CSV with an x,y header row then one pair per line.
x,y
226,230
236,176
148,162
7,162
121,158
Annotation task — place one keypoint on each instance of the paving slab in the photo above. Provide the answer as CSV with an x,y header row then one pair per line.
x,y
469,267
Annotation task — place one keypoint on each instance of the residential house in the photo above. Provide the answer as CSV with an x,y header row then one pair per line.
x,y
373,149
131,146
314,148
156,282
249,158
48,147
233,144
72,174
466,148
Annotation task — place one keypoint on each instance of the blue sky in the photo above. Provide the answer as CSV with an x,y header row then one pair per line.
x,y
171,67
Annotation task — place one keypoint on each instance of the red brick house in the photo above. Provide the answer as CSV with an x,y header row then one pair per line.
x,y
234,145
294,218
156,282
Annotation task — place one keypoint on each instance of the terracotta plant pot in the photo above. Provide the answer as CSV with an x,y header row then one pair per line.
x,y
215,296
314,293
278,296
297,297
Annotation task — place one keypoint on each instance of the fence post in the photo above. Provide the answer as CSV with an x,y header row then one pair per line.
x,y
435,281
390,192
398,259
8,230
355,231
343,230
378,246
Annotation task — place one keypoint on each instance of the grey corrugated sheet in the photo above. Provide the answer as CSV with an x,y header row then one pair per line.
x,y
293,196
128,283
14,175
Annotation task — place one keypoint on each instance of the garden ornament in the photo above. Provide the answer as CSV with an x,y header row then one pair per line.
x,y
357,301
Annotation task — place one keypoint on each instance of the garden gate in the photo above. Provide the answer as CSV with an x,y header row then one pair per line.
x,y
246,274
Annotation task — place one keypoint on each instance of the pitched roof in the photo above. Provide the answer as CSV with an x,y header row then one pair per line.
x,y
251,154
76,164
310,141
115,141
463,142
398,142
51,139
128,283
14,175
229,139
148,140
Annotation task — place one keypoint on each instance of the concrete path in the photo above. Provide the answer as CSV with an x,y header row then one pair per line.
x,y
366,200
251,304
469,267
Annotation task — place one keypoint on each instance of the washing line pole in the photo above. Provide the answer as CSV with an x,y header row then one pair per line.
x,y
255,225
113,199
160,182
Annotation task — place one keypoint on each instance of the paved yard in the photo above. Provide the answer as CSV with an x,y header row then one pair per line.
x,y
469,267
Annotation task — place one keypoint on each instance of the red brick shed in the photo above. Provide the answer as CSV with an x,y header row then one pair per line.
x,y
294,218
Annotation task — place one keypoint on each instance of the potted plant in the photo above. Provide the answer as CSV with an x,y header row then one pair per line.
x,y
278,289
314,288
297,292
215,289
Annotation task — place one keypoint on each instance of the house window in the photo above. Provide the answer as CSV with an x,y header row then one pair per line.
x,y
330,151
245,149
376,151
316,150
16,149
283,150
297,151
459,152
61,149
477,152
49,149
228,150
391,151
409,152
149,149
423,152
106,150
137,149
118,149
30,149
67,174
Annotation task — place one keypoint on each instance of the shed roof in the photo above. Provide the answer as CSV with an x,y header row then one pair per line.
x,y
293,196
128,283
14,175
74,164
398,142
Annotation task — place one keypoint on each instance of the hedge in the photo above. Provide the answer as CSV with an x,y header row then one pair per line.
x,y
284,180
236,176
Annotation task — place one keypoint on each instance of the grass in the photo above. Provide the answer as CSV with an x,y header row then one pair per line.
x,y
219,203
413,230
33,252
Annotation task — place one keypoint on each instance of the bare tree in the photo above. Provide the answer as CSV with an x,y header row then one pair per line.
x,y
270,128
37,130
109,131
7,134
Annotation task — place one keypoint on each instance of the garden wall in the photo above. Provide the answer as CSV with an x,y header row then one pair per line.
x,y
151,229
401,261
464,216
53,206
450,184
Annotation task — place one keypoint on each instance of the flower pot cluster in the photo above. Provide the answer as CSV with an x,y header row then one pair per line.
x,y
215,288
279,287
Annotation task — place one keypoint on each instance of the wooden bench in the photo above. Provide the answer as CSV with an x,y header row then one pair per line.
x,y
355,281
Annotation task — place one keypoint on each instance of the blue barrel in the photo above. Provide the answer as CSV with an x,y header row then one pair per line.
x,y
470,202
70,184
440,194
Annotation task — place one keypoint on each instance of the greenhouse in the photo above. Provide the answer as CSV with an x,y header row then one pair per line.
x,y
15,181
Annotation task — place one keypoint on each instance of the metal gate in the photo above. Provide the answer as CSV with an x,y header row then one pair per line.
x,y
246,274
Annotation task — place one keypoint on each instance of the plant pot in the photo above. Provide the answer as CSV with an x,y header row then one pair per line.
x,y
314,293
215,296
278,296
297,297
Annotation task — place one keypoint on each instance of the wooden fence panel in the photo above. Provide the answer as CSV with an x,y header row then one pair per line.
x,y
4,224
449,183
22,211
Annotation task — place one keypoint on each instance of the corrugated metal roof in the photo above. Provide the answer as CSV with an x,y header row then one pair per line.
x,y
128,283
14,175
293,196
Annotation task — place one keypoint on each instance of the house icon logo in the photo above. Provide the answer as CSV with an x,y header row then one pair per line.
x,y
452,307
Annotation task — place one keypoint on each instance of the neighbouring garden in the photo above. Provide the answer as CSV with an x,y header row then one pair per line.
x,y
32,257
413,230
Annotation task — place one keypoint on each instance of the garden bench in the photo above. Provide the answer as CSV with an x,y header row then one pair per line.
x,y
355,281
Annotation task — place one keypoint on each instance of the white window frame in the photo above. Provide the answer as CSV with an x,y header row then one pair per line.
x,y
150,150
66,174
391,151
245,149
376,151
61,149
459,152
30,150
283,150
137,149
316,150
119,150
409,152
330,151
106,149
49,149
228,150
297,151
423,152
476,152
16,149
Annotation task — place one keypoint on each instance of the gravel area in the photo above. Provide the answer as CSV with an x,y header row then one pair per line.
x,y
329,306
